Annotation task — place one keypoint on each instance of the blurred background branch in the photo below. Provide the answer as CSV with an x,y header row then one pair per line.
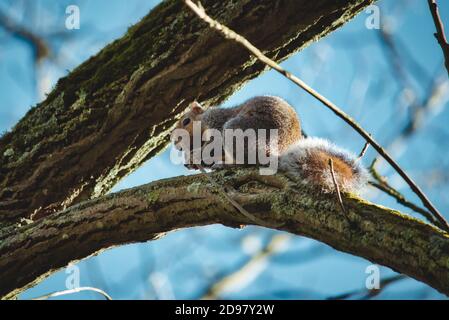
x,y
364,294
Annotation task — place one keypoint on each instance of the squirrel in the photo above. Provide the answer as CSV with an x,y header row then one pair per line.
x,y
306,159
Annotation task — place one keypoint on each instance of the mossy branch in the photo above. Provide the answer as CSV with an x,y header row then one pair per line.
x,y
379,234
115,110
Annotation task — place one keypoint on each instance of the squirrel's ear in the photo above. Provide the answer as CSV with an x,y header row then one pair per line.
x,y
195,107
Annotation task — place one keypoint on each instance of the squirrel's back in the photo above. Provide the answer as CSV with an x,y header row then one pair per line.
x,y
308,161
261,112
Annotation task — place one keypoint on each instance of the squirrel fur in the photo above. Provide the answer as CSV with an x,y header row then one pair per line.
x,y
304,159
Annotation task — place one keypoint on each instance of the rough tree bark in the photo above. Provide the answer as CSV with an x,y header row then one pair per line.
x,y
144,213
115,110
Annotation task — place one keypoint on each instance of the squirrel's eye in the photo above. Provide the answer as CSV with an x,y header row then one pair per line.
x,y
186,121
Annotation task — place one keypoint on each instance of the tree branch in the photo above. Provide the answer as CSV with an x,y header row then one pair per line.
x,y
379,234
115,111
230,34
440,35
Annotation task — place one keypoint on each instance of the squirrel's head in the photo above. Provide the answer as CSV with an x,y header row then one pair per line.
x,y
186,123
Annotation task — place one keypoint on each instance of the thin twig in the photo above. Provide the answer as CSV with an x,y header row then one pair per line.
x,y
229,34
362,153
382,184
439,35
71,291
337,188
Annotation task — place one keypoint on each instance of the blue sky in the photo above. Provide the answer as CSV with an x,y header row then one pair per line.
x,y
349,66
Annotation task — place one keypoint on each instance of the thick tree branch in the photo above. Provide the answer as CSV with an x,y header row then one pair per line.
x,y
379,234
115,110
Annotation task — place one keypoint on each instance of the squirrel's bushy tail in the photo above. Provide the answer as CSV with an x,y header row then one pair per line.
x,y
308,161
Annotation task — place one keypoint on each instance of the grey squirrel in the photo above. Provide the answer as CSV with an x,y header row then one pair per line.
x,y
305,159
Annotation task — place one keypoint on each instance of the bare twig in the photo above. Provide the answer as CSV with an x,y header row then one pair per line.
x,y
362,153
229,34
71,291
337,188
439,35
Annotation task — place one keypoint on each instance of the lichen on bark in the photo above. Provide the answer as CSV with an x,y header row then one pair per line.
x,y
379,234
